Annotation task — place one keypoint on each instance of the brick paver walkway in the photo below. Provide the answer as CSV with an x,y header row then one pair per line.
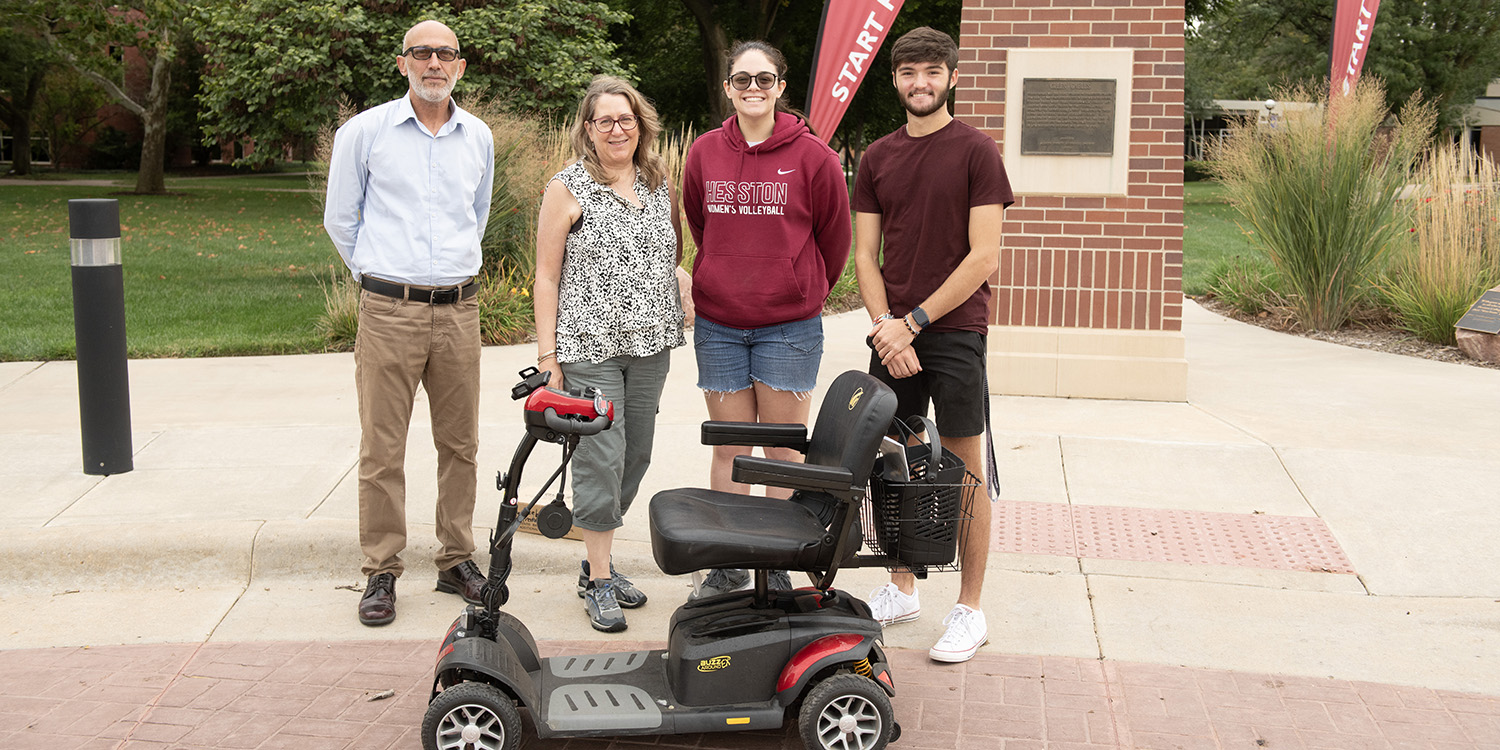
x,y
312,696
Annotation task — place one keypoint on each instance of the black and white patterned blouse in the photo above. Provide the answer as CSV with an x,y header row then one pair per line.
x,y
618,291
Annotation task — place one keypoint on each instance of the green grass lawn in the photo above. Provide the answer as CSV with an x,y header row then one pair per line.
x,y
207,272
1211,232
231,264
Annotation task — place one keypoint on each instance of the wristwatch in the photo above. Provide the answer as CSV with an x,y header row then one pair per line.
x,y
919,316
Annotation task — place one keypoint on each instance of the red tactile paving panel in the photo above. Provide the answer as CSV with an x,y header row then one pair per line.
x,y
1181,536
315,696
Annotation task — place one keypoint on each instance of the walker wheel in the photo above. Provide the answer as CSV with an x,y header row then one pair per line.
x,y
471,715
846,712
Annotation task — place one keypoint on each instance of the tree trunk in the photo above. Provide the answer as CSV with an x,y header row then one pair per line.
x,y
152,178
20,145
17,115
715,47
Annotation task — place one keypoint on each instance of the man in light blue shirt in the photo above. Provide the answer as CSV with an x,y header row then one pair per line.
x,y
408,196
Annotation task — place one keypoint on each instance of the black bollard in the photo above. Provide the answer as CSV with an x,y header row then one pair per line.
x,y
99,330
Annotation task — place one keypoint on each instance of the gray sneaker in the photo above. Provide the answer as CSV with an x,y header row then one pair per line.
x,y
604,610
779,580
721,581
626,593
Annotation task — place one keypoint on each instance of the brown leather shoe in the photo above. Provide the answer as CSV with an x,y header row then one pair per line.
x,y
378,605
463,579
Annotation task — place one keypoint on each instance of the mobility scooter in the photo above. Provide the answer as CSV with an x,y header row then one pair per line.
x,y
738,661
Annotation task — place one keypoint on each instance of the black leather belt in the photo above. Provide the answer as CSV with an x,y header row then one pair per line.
x,y
444,296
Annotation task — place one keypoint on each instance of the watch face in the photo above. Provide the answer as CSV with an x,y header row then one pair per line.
x,y
920,316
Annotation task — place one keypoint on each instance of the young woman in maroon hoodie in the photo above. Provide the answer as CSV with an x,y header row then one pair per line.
x,y
768,206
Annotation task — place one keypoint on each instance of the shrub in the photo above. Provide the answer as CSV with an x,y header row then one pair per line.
x,y
1318,187
1453,252
339,321
1195,171
528,151
505,309
1249,285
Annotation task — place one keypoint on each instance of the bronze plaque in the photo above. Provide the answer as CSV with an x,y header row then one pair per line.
x,y
1068,116
1484,316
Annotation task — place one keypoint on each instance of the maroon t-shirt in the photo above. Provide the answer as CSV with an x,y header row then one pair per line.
x,y
923,189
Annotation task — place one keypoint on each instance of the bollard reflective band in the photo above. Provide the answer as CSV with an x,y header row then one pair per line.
x,y
98,252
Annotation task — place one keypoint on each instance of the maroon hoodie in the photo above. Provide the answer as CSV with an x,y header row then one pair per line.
x,y
771,222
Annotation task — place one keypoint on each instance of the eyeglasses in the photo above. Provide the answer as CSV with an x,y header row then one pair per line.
x,y
446,54
607,124
741,81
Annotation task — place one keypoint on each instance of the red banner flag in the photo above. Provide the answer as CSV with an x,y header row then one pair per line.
x,y
1353,21
849,37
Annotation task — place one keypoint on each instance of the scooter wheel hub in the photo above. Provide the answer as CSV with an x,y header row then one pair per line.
x,y
470,734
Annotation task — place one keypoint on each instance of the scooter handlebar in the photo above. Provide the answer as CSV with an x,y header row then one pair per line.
x,y
572,426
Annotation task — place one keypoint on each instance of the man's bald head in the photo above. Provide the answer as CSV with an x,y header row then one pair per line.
x,y
431,33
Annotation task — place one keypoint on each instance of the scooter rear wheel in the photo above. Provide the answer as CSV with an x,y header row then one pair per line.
x,y
846,712
472,715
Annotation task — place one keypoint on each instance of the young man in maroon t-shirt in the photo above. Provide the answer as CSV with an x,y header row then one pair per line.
x,y
935,191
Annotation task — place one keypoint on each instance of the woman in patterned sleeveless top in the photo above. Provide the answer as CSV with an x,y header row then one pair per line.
x,y
608,313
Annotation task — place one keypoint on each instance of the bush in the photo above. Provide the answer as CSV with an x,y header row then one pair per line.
x,y
339,321
1453,252
1195,171
1249,285
505,309
1318,187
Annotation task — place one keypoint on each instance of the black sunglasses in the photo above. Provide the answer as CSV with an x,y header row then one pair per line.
x,y
741,81
446,54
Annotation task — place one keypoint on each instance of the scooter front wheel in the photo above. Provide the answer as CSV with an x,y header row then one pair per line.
x,y
472,715
846,712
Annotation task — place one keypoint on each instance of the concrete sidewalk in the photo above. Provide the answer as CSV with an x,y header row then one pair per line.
x,y
1313,513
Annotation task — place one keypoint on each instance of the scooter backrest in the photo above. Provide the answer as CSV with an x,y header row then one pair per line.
x,y
855,415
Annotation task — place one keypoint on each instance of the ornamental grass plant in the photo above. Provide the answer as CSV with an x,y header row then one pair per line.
x,y
1453,250
1318,187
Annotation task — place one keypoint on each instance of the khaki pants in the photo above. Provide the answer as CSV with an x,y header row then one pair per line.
x,y
400,344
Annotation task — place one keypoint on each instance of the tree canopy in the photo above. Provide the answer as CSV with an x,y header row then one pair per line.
x,y
667,44
1243,49
279,68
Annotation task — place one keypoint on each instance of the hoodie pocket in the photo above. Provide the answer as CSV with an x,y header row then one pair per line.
x,y
746,282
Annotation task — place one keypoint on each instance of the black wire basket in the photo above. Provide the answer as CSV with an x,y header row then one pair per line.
x,y
916,519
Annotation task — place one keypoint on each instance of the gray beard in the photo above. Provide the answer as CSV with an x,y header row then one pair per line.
x,y
427,93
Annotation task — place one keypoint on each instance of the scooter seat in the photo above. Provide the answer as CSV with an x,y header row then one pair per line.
x,y
695,529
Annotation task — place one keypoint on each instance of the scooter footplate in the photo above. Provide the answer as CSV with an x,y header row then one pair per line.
x,y
596,665
595,707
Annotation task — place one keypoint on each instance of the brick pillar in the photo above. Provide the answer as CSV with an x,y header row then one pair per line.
x,y
1088,298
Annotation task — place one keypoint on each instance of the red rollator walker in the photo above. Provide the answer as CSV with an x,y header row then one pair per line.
x,y
738,661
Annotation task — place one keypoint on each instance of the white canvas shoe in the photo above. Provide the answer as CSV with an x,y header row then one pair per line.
x,y
966,633
889,606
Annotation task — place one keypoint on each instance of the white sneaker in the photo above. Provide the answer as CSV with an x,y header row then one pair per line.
x,y
966,633
889,606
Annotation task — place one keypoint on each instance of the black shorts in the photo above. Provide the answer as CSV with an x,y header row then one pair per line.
x,y
952,380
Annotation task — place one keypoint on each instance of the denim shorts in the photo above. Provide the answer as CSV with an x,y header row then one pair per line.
x,y
784,357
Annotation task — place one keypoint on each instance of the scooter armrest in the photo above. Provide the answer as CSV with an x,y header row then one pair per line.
x,y
764,434
790,474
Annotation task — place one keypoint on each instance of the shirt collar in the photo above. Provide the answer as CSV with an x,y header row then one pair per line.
x,y
405,111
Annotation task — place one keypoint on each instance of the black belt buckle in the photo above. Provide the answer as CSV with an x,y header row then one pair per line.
x,y
447,296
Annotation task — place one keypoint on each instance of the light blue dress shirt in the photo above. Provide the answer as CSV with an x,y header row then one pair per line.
x,y
407,205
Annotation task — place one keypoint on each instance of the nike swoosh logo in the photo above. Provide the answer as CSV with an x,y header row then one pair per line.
x,y
785,171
